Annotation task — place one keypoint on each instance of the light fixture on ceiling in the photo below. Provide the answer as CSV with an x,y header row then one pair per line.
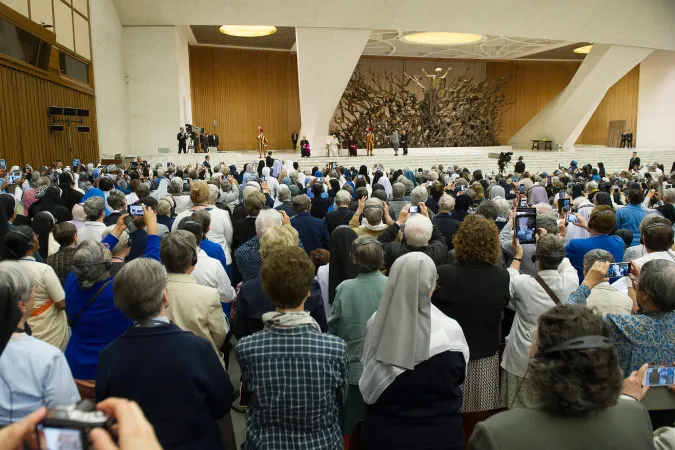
x,y
441,38
583,50
248,30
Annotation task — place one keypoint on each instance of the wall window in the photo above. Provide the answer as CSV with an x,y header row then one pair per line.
x,y
19,44
74,68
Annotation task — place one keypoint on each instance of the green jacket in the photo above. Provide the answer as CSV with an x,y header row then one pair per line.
x,y
355,302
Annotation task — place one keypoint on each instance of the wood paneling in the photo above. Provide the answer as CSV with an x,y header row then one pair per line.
x,y
24,124
620,103
532,85
244,89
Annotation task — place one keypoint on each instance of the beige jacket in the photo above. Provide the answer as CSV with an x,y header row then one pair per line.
x,y
606,299
197,309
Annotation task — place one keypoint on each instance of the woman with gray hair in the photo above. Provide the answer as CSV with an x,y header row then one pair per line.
x,y
181,202
35,373
94,320
356,300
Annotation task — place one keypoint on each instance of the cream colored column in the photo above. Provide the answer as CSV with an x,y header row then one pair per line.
x,y
565,117
326,60
656,102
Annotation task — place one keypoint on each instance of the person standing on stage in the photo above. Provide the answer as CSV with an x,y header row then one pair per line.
x,y
304,147
623,139
204,139
294,138
262,142
351,145
333,145
404,142
634,163
629,138
214,141
394,141
182,140
370,142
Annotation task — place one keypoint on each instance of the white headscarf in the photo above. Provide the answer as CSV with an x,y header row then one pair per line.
x,y
406,329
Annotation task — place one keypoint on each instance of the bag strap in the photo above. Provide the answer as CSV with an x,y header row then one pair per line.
x,y
548,290
89,303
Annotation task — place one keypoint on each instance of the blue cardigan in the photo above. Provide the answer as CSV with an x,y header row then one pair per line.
x,y
177,380
100,323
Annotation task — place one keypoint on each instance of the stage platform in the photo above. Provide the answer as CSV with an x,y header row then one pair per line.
x,y
615,159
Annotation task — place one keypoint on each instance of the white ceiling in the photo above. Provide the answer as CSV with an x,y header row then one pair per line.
x,y
389,43
640,23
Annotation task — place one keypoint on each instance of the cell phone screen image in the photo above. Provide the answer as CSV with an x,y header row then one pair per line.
x,y
3,166
360,177
659,376
571,218
136,210
522,188
621,269
169,164
76,162
52,438
525,225
522,203
462,188
414,209
566,204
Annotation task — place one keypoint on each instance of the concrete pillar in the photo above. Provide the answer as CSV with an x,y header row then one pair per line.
x,y
565,117
158,87
656,101
326,60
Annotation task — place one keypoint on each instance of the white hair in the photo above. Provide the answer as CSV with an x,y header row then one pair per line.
x,y
418,230
266,171
544,208
446,203
160,172
214,193
267,218
342,198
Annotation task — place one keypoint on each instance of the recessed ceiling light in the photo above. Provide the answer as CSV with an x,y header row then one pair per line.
x,y
583,50
441,38
248,30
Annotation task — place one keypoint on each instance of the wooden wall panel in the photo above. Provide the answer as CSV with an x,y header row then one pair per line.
x,y
24,134
244,89
620,103
532,85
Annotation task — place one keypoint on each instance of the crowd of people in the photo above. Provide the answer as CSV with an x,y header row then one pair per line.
x,y
367,307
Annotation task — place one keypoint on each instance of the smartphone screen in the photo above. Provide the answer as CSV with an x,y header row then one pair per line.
x,y
76,162
97,172
169,164
3,166
569,185
263,179
667,186
522,188
525,225
136,210
571,218
621,269
462,188
659,376
360,177
522,203
133,164
566,204
414,209
51,438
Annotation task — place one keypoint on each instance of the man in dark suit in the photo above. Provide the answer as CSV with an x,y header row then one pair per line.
x,y
294,138
404,142
204,139
634,162
214,141
520,165
445,224
269,161
313,232
629,138
342,215
623,139
182,140
207,164
284,195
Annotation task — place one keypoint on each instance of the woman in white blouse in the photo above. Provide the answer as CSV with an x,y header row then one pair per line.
x,y
48,320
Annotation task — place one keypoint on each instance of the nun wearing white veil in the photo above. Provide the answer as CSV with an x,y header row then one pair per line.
x,y
414,361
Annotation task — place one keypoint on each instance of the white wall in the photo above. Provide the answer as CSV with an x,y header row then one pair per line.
x,y
183,66
656,101
109,71
153,101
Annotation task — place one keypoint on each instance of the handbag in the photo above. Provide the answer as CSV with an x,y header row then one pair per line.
x,y
73,321
548,290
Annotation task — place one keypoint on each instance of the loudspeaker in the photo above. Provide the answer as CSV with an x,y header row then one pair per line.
x,y
55,110
82,129
56,127
70,111
82,112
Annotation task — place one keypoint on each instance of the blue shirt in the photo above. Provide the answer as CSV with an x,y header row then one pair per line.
x,y
215,251
36,374
577,249
629,217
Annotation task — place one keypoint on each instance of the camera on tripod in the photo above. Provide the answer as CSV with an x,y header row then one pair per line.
x,y
504,159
